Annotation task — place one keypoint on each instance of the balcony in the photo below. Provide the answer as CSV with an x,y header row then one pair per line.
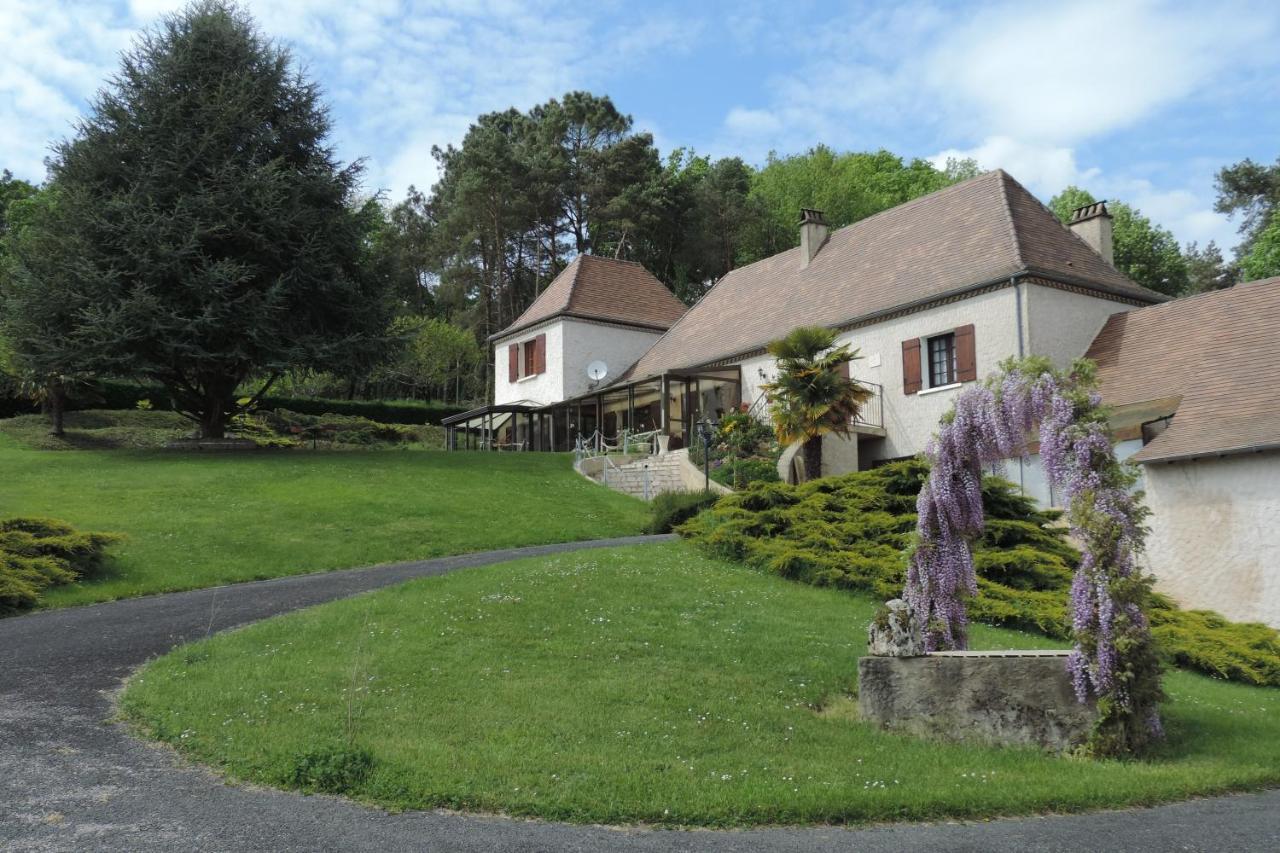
x,y
870,418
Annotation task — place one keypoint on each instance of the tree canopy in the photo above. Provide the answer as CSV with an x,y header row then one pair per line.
x,y
216,237
1144,251
846,187
1251,190
1263,259
11,190
813,394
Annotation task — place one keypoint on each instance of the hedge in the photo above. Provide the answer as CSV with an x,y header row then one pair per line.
x,y
116,394
852,532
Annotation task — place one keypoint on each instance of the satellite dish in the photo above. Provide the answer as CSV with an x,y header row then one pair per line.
x,y
597,370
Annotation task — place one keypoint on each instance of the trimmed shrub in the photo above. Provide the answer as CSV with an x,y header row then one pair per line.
x,y
382,411
119,394
740,473
345,429
852,532
744,451
671,509
37,553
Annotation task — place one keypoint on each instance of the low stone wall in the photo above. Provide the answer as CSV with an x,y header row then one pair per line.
x,y
213,445
1021,698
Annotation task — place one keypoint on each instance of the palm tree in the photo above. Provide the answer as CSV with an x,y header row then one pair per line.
x,y
813,395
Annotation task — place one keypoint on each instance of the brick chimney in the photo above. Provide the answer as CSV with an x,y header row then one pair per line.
x,y
1092,224
813,233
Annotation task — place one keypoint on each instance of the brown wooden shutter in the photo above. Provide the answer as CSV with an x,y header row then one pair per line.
x,y
966,361
844,370
911,366
513,362
540,354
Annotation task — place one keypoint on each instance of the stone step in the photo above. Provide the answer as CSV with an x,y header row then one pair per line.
x,y
663,474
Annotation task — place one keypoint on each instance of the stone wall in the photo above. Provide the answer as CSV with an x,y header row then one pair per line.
x,y
1002,698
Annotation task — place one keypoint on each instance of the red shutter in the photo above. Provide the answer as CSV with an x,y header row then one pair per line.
x,y
513,362
540,354
966,361
911,366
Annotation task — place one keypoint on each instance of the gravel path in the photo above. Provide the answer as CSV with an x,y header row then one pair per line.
x,y
72,780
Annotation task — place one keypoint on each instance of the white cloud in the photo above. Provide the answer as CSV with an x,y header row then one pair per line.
x,y
1020,86
1069,71
1045,169
400,76
752,122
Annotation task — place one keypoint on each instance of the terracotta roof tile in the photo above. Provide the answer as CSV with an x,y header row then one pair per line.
x,y
604,289
1219,352
982,230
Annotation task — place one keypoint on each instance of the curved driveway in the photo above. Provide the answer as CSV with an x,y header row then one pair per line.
x,y
72,780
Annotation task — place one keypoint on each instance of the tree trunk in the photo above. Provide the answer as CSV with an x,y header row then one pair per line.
x,y
813,458
57,407
213,423
213,420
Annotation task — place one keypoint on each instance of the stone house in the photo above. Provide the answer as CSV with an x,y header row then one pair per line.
x,y
933,294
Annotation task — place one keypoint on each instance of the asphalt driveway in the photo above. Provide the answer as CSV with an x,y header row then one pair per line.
x,y
72,780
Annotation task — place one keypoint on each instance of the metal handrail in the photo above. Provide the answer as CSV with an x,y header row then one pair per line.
x,y
872,412
869,414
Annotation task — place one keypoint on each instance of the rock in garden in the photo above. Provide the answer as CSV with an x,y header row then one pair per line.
x,y
895,632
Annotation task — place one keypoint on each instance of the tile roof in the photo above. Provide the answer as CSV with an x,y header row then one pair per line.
x,y
1218,352
598,288
976,232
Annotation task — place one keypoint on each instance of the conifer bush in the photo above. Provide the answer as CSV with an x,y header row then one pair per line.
x,y
852,532
37,553
671,509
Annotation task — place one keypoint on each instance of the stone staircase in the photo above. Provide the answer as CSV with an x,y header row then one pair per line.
x,y
662,474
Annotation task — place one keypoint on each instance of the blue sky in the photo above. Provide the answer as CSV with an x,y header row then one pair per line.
x,y
1140,101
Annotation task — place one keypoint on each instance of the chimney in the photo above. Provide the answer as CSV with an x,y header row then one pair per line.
x,y
1092,224
813,233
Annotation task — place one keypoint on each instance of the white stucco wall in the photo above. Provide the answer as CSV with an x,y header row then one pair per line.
x,y
617,346
1214,540
571,346
545,387
1060,324
909,420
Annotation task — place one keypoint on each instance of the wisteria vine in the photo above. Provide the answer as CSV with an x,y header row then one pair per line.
x,y
1114,659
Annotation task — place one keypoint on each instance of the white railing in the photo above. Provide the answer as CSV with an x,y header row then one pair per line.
x,y
759,408
597,444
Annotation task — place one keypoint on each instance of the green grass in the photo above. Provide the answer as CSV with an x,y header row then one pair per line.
x,y
195,520
646,684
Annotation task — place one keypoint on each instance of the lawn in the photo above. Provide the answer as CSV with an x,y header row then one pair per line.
x,y
645,684
196,520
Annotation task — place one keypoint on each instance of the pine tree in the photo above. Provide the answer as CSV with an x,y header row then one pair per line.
x,y
221,240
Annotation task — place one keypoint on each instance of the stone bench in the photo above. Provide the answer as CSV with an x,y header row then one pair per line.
x,y
1016,698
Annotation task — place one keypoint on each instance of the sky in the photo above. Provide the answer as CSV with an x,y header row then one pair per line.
x,y
1138,101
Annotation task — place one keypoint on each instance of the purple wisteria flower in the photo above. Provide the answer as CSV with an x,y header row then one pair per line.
x,y
997,421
